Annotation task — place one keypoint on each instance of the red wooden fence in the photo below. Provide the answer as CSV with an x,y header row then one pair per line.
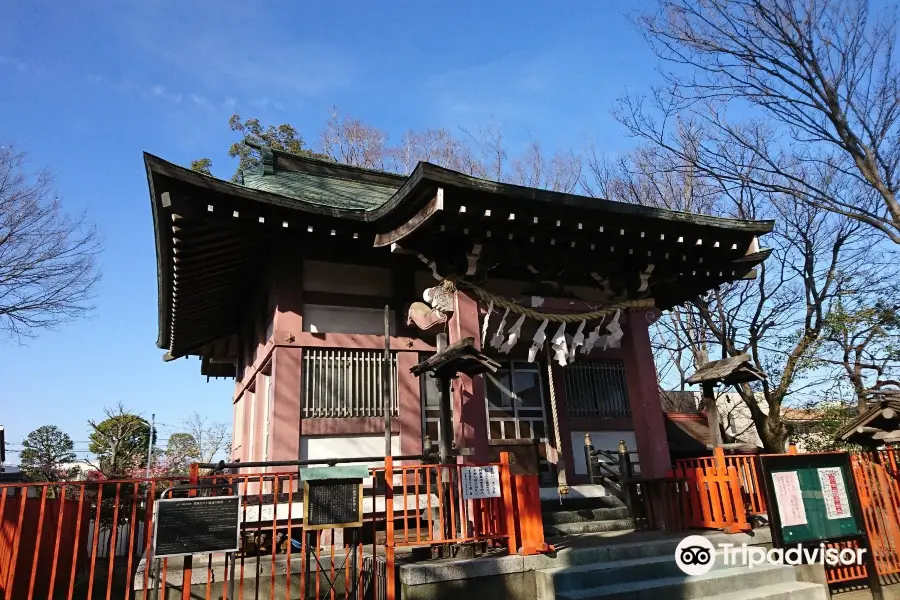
x,y
39,542
710,494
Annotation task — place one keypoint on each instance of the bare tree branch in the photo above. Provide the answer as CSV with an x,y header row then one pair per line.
x,y
48,259
821,74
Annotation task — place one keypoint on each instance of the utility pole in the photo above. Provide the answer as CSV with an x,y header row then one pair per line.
x,y
150,444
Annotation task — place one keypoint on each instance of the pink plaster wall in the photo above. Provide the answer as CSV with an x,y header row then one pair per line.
x,y
410,411
285,436
285,351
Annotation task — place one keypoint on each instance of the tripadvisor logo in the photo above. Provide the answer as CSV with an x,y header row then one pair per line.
x,y
696,555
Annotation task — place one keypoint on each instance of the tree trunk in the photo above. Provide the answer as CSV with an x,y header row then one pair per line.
x,y
773,434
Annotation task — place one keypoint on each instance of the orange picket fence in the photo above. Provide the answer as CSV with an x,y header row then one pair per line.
x,y
709,494
878,484
753,494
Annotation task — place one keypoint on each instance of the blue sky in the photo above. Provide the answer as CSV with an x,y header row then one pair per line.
x,y
85,87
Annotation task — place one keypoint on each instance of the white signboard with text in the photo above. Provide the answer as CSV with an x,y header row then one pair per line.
x,y
834,492
480,482
790,498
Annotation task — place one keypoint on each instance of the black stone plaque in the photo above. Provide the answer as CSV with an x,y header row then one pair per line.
x,y
332,503
185,526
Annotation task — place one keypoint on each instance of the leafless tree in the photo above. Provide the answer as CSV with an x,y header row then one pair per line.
x,y
821,75
489,145
48,259
351,141
780,317
560,171
437,146
211,437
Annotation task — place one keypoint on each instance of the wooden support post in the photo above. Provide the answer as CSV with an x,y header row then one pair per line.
x,y
589,456
719,459
509,507
626,472
446,425
387,376
186,573
531,524
712,413
389,529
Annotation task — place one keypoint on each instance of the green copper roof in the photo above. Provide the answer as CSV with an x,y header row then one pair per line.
x,y
326,191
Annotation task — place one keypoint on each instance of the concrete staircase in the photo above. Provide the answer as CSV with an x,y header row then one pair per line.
x,y
585,515
658,577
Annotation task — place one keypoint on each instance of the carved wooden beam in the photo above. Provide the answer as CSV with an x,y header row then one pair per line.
x,y
426,212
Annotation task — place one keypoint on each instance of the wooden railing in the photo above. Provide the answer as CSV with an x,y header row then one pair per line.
x,y
710,495
753,495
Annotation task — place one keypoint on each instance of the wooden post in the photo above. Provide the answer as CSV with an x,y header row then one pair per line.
x,y
446,426
589,456
719,459
712,413
531,525
186,573
509,510
626,473
389,528
386,382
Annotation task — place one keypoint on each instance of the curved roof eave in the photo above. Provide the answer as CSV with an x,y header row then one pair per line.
x,y
441,176
161,294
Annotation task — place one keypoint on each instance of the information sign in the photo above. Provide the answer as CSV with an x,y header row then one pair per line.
x,y
185,526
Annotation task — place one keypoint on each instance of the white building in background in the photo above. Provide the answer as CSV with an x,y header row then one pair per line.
x,y
734,415
83,467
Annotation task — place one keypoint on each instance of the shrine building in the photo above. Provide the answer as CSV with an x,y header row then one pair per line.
x,y
280,282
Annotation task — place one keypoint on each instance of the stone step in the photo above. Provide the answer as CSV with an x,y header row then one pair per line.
x,y
581,503
717,581
580,516
588,527
796,590
562,579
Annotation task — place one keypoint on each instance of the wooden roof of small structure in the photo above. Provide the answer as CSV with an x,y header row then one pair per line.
x,y
214,238
729,371
878,424
460,357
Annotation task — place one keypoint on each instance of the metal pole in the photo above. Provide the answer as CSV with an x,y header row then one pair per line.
x,y
150,444
386,381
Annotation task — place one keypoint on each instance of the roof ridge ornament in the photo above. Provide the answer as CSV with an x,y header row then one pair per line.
x,y
267,158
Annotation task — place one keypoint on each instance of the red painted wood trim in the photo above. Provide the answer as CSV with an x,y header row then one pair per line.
x,y
643,395
350,426
359,341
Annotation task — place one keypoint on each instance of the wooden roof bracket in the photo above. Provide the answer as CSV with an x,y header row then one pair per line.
x,y
433,207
